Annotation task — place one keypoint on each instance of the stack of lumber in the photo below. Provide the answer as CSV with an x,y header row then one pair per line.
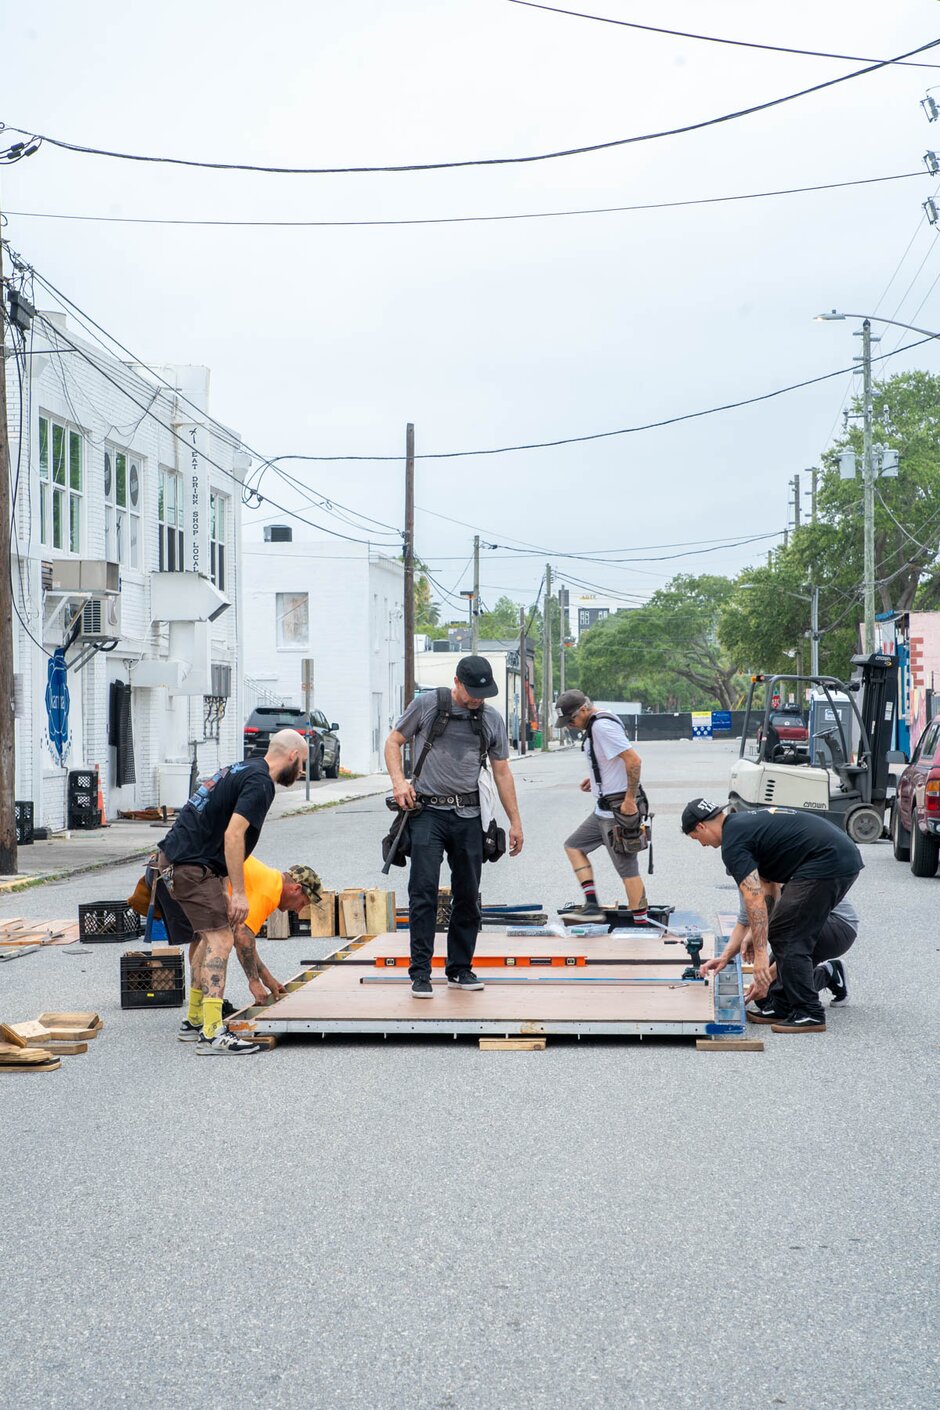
x,y
357,910
38,1044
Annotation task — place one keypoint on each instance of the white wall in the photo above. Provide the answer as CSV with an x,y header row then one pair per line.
x,y
140,418
355,638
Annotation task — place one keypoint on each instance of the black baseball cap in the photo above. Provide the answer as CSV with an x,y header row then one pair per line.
x,y
568,704
476,676
699,810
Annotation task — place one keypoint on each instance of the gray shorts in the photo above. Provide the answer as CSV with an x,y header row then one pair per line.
x,y
594,832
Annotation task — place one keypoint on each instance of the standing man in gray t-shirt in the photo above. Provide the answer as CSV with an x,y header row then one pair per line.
x,y
449,817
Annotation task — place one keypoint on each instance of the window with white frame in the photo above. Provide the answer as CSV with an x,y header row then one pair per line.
x,y
170,521
292,611
218,511
61,485
123,497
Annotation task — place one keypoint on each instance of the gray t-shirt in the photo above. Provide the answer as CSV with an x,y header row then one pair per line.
x,y
844,910
453,764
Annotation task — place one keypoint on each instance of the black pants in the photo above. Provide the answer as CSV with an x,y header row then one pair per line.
x,y
798,926
434,832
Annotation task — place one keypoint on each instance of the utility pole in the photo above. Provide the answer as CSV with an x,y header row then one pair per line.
x,y
8,862
796,501
562,614
814,632
475,604
409,556
523,702
546,660
814,474
868,480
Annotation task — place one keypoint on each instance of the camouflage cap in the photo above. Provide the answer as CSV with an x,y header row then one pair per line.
x,y
307,880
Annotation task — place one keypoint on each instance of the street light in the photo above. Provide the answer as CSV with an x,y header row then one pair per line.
x,y
868,470
471,598
814,633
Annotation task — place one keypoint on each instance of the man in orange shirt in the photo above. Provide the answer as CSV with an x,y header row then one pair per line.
x,y
267,891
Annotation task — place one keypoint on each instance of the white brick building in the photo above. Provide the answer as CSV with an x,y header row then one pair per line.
x,y
100,477
339,604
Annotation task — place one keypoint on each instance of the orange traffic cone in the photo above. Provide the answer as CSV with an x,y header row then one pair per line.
x,y
103,821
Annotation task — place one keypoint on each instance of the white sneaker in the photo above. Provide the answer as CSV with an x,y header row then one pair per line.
x,y
225,1044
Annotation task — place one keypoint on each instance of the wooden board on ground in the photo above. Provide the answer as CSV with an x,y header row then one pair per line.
x,y
730,1045
14,1059
352,913
24,1033
380,911
514,1045
71,1027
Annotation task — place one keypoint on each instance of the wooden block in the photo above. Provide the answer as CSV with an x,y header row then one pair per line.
x,y
264,1040
352,913
730,1045
519,1045
277,926
380,911
11,1035
13,1059
322,916
66,1049
32,1032
71,1027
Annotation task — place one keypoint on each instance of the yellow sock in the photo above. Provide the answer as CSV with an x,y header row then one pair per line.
x,y
195,1006
211,1016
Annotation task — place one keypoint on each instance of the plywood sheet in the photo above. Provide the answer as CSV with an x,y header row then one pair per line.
x,y
337,996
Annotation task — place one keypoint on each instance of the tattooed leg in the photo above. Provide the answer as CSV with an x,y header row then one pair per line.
x,y
636,892
197,955
218,948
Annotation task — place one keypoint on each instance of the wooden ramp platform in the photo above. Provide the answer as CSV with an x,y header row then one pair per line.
x,y
648,998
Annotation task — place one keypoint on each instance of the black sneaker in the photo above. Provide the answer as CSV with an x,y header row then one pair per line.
x,y
763,1012
589,910
837,984
800,1023
421,988
225,1044
466,979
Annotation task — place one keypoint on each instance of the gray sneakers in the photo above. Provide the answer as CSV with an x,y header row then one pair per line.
x,y
225,1044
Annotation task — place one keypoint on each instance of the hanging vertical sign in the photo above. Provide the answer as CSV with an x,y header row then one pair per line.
x,y
57,707
195,498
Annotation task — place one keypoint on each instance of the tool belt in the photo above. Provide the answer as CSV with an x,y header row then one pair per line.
x,y
628,835
450,800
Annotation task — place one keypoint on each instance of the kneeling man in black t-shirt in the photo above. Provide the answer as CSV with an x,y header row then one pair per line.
x,y
815,862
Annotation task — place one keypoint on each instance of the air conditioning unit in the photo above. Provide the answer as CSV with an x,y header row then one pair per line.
x,y
221,682
101,619
85,575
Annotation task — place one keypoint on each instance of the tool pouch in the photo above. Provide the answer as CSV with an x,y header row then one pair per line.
x,y
494,842
403,847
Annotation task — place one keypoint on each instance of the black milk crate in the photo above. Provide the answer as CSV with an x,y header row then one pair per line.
x,y
24,824
101,922
298,926
83,781
153,979
84,815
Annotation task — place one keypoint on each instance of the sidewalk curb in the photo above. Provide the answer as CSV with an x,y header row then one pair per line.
x,y
7,887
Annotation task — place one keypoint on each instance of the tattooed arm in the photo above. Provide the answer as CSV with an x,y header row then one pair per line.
x,y
632,764
752,893
247,952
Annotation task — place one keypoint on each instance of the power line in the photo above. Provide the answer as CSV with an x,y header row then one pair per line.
x,y
468,219
321,528
713,39
621,431
84,150
89,323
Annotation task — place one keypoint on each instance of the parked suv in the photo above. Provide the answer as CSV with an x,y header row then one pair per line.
x,y
320,734
915,820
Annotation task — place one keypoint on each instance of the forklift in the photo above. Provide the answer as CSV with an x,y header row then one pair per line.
x,y
849,788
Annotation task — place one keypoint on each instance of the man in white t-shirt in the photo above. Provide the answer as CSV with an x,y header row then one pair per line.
x,y
606,743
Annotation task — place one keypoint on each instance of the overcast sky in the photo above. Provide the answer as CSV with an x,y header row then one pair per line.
x,y
327,341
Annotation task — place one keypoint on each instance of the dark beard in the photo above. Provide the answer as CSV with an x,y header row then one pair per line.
x,y
289,774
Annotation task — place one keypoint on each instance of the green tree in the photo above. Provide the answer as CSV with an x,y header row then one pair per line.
x,y
500,623
427,611
667,654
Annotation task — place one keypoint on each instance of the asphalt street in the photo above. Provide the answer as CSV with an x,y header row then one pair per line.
x,y
414,1225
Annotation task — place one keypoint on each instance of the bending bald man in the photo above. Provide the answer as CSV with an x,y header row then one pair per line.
x,y
207,846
